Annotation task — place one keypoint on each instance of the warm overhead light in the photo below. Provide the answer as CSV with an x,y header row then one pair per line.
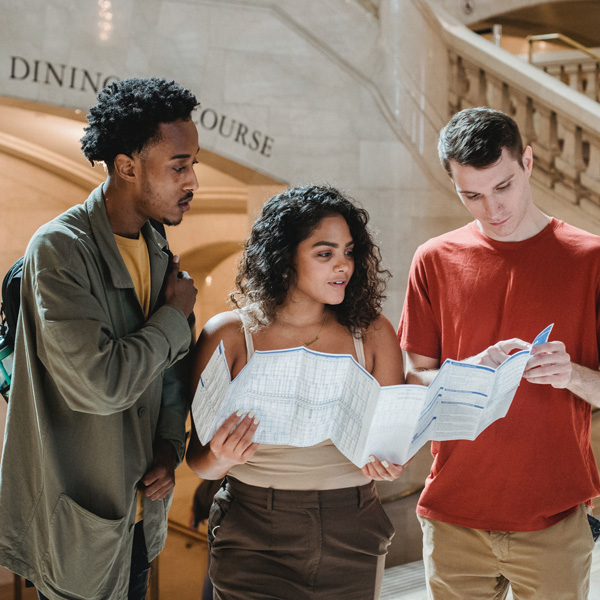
x,y
106,16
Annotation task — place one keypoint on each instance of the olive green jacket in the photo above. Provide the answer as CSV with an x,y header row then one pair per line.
x,y
90,396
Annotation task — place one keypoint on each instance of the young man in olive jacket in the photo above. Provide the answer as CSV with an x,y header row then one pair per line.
x,y
96,419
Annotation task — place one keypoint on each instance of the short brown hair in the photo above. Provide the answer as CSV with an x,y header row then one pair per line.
x,y
477,136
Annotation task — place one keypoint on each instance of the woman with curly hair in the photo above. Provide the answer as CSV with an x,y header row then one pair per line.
x,y
289,522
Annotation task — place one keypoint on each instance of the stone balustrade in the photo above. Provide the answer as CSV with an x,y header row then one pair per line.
x,y
560,124
580,74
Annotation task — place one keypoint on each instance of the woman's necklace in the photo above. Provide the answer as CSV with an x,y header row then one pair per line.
x,y
306,344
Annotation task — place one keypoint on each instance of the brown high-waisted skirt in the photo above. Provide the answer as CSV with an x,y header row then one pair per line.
x,y
296,545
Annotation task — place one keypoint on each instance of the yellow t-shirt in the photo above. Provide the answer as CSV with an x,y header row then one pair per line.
x,y
135,256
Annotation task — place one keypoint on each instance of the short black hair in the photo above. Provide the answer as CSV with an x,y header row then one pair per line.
x,y
267,267
477,136
128,114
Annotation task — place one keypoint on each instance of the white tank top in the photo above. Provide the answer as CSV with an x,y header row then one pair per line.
x,y
319,467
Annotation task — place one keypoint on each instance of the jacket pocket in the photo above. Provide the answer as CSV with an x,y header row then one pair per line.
x,y
82,550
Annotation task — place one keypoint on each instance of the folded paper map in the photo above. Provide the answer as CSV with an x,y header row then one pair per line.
x,y
303,397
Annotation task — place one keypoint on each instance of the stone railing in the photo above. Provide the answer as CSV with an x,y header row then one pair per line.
x,y
581,74
561,125
578,67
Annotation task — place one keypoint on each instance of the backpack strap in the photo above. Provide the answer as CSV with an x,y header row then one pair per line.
x,y
11,300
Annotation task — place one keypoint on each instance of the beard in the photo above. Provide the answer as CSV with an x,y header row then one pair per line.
x,y
156,205
171,222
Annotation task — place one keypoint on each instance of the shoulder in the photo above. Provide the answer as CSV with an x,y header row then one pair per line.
x,y
58,243
67,225
224,324
574,237
381,331
65,228
448,242
74,226
383,352
224,327
380,338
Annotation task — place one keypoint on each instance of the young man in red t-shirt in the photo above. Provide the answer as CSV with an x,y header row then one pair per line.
x,y
510,506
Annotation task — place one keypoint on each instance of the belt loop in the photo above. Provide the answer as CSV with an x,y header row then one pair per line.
x,y
361,495
365,493
269,498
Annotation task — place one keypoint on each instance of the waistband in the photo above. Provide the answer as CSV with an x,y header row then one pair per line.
x,y
271,498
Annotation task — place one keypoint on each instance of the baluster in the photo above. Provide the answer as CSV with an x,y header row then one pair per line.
x,y
483,97
564,76
530,131
495,90
542,145
454,97
567,172
518,109
581,79
471,95
590,175
506,107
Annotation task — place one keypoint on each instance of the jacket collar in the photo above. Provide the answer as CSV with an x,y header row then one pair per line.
x,y
158,250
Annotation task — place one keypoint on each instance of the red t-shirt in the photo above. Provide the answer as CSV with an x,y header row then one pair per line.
x,y
530,469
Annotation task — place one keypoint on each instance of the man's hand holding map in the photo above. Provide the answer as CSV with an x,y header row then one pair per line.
x,y
303,397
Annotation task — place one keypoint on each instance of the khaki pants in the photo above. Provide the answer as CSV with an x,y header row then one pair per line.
x,y
473,564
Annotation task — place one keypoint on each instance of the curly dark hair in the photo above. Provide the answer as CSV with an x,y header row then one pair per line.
x,y
128,115
267,269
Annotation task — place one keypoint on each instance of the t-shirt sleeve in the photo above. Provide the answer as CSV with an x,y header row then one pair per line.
x,y
419,330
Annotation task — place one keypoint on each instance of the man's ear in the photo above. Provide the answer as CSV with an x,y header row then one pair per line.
x,y
527,160
125,167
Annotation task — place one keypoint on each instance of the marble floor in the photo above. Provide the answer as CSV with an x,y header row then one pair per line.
x,y
407,582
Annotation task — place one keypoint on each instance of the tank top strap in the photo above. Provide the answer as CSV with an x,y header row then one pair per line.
x,y
358,342
247,335
360,351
